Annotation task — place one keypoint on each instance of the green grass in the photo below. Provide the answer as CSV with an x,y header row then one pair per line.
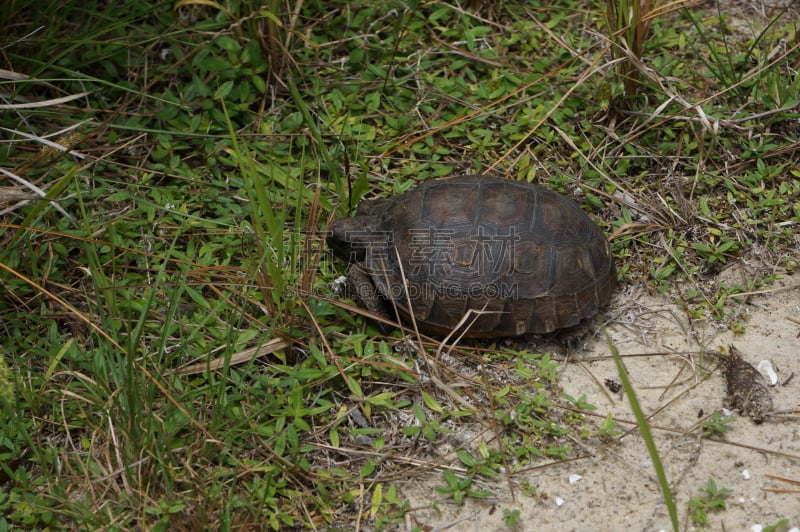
x,y
711,500
646,434
176,353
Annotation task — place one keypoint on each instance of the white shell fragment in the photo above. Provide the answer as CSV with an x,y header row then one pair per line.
x,y
766,369
573,478
559,501
746,474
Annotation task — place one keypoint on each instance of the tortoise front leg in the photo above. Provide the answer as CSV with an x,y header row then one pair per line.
x,y
364,292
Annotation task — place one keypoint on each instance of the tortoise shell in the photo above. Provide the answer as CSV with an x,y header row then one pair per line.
x,y
522,258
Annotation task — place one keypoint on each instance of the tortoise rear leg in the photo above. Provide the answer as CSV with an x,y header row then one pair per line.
x,y
573,338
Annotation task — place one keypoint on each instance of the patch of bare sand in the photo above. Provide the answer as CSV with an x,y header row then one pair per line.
x,y
678,387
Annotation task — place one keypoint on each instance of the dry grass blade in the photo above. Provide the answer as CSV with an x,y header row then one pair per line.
x,y
44,103
39,192
69,138
783,490
14,76
236,359
9,194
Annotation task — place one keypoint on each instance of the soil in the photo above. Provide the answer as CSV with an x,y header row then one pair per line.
x,y
679,384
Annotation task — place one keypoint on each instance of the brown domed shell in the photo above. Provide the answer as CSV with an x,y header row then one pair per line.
x,y
526,258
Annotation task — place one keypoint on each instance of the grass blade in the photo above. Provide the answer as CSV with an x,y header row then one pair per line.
x,y
644,430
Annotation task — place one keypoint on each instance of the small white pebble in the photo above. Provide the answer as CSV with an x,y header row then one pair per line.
x,y
757,528
745,474
559,501
794,529
766,369
573,478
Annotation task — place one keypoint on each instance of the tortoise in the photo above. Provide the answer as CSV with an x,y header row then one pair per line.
x,y
523,258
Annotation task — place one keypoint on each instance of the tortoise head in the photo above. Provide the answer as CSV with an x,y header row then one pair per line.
x,y
349,238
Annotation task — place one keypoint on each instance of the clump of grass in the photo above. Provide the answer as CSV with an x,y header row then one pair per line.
x,y
712,499
629,24
716,425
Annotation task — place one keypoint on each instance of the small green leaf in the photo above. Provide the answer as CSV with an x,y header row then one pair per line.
x,y
466,458
367,469
214,64
382,399
224,90
377,499
354,387
411,431
431,403
227,43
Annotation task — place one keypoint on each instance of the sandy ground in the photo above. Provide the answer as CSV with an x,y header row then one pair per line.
x,y
615,488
